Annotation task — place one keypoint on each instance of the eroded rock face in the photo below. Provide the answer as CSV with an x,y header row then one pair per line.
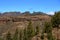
x,y
11,23
5,19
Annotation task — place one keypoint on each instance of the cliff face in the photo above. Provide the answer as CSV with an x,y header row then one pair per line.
x,y
9,22
25,18
20,21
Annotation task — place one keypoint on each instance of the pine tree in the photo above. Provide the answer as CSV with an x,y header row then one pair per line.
x,y
21,35
15,37
8,36
25,37
56,19
48,30
37,30
1,38
30,31
42,36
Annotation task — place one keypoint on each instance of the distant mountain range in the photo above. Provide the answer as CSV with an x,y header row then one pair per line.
x,y
19,13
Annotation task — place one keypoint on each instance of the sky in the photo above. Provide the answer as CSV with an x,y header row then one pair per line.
x,y
46,6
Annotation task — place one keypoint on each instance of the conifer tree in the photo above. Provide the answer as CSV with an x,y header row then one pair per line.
x,y
56,19
1,38
42,36
37,30
21,35
48,30
30,30
25,37
8,36
15,37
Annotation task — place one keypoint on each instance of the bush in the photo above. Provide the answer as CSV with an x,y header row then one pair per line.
x,y
56,19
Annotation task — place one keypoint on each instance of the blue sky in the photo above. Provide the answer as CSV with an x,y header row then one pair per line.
x,y
30,5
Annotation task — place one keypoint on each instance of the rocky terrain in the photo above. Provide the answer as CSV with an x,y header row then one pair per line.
x,y
9,21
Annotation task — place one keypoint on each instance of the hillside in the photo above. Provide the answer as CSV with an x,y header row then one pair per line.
x,y
17,17
9,21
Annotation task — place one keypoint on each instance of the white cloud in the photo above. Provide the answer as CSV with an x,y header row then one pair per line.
x,y
50,13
